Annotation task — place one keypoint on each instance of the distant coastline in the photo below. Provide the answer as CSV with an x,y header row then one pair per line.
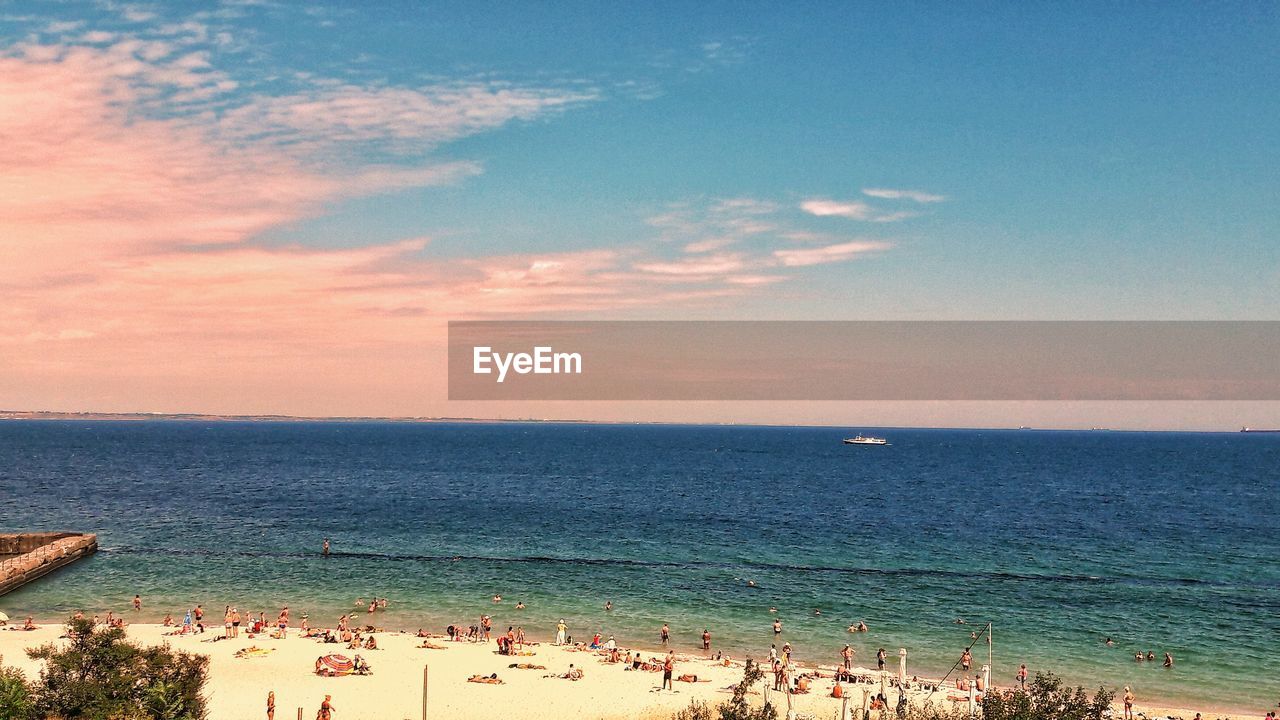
x,y
417,419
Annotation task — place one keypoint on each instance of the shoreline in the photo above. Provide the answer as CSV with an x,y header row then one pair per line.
x,y
399,657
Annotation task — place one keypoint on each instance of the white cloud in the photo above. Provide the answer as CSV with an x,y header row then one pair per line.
x,y
829,253
853,210
913,195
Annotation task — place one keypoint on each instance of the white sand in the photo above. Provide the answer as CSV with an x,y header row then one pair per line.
x,y
237,688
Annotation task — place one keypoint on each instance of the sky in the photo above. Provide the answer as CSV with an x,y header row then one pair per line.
x,y
256,207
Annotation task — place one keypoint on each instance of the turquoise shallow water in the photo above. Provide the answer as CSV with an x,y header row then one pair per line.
x,y
1163,542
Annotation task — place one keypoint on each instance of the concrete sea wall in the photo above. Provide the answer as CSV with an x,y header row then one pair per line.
x,y
38,554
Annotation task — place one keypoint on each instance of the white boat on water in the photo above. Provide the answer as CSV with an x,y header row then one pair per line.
x,y
860,440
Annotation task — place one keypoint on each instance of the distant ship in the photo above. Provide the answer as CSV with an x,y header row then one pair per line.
x,y
865,441
1249,429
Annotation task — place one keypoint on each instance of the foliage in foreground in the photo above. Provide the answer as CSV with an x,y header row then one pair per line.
x,y
16,702
1046,698
100,675
736,707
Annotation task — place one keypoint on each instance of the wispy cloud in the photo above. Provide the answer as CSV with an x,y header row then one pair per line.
x,y
840,252
913,195
857,209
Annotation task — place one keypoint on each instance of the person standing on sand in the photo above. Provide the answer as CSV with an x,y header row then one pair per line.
x,y
326,709
668,666
1022,676
1128,703
706,639
966,659
847,654
561,630
666,634
880,658
271,705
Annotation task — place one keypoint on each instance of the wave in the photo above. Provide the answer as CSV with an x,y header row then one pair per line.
x,y
736,567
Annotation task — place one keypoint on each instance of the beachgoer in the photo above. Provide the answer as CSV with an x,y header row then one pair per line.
x,y
326,709
519,604
666,634
706,639
1168,660
847,654
271,705
561,629
608,605
881,655
777,627
966,659
324,549
668,665
1022,676
137,602
1128,703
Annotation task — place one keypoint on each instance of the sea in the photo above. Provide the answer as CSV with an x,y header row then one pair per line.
x,y
1163,542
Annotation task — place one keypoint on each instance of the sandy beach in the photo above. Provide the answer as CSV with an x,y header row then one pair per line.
x,y
238,686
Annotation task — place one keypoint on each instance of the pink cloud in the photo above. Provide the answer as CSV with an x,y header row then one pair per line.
x,y
131,274
829,253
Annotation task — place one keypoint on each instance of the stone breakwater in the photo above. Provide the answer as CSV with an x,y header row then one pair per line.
x,y
35,555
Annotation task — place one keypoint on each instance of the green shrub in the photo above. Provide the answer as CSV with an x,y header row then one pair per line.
x,y
16,702
1046,698
101,675
736,707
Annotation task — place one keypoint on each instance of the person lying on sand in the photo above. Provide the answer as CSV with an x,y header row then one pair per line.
x,y
428,645
485,679
690,679
573,674
527,666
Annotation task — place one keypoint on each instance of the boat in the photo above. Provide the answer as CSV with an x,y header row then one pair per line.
x,y
860,440
1257,430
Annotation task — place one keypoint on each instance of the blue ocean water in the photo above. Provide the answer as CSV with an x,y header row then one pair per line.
x,y
1161,541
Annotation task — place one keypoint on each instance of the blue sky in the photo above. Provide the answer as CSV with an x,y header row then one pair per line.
x,y
436,161
1098,160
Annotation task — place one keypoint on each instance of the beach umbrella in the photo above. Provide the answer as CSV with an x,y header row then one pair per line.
x,y
3,617
986,678
972,704
902,667
337,664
